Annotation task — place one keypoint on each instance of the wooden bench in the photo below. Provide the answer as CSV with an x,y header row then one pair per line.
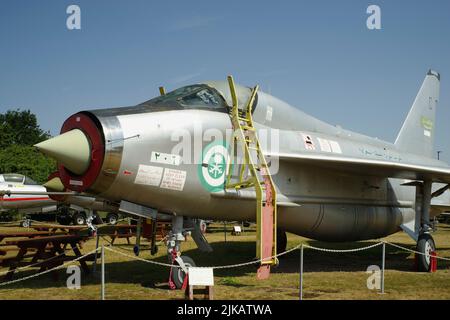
x,y
53,228
118,232
7,261
27,234
48,252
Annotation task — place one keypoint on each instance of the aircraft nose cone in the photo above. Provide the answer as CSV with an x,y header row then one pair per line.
x,y
54,184
71,149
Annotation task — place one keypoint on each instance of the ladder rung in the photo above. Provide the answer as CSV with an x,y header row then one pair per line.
x,y
248,128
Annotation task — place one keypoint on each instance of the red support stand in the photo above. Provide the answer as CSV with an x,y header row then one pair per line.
x,y
433,260
172,285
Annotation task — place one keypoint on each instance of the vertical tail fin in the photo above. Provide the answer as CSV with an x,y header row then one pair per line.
x,y
417,133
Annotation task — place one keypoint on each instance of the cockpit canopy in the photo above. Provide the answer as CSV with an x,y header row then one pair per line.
x,y
198,96
194,95
15,178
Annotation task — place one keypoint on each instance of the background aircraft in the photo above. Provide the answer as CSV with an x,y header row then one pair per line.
x,y
30,203
29,197
332,184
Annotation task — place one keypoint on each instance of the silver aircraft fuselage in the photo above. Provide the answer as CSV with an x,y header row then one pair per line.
x,y
316,202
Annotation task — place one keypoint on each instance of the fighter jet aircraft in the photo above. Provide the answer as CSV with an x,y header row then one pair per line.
x,y
330,184
27,196
29,202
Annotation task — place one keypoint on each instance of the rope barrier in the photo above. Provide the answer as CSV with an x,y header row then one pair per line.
x,y
141,259
211,267
417,252
278,255
9,224
62,226
48,271
343,250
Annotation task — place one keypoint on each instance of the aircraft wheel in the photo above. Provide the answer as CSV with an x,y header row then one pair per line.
x,y
281,241
25,224
178,274
112,218
64,220
79,219
426,246
203,226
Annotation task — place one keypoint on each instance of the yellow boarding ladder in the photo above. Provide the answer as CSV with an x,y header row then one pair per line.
x,y
254,173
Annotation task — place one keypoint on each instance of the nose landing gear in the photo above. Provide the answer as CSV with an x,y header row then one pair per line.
x,y
426,246
177,276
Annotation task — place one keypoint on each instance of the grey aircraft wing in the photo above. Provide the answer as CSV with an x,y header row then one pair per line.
x,y
372,167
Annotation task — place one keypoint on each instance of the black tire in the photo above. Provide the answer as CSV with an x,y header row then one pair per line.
x,y
79,219
425,245
178,275
64,220
112,218
281,241
97,219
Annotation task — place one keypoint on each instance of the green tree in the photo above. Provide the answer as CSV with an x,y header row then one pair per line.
x,y
20,128
28,161
19,131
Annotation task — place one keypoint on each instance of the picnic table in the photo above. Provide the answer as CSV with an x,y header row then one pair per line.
x,y
47,253
118,231
25,234
55,228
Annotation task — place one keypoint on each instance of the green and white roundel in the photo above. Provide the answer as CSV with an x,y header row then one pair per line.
x,y
212,170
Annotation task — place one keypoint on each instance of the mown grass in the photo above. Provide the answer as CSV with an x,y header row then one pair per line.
x,y
327,275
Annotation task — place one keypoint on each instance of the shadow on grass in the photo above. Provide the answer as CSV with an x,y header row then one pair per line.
x,y
156,277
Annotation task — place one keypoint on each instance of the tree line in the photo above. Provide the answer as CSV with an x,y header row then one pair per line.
x,y
19,131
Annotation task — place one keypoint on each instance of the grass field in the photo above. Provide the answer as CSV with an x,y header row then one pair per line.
x,y
327,275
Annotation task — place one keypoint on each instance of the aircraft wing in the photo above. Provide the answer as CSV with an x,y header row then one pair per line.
x,y
371,167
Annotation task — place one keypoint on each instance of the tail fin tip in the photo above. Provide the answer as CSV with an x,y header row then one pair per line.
x,y
417,133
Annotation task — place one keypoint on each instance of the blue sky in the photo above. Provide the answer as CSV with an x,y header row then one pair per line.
x,y
316,55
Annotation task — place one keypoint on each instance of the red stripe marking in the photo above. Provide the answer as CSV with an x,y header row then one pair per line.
x,y
25,199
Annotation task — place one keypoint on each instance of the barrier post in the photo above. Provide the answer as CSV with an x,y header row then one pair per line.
x,y
225,230
103,272
383,266
301,272
96,253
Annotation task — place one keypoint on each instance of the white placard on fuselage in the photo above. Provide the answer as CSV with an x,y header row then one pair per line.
x,y
173,179
149,175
